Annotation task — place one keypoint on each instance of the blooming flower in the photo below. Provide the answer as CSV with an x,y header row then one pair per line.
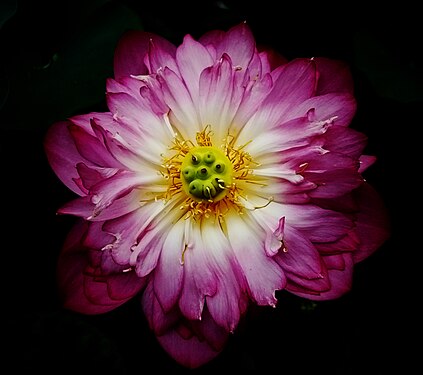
x,y
219,176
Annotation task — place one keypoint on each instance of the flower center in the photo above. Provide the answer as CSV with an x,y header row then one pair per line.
x,y
206,173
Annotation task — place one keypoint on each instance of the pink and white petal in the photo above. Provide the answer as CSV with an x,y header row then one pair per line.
x,y
128,229
338,108
64,164
82,291
317,224
149,248
291,134
293,84
254,93
291,87
219,99
199,278
299,256
333,76
262,274
224,305
105,119
153,231
373,221
107,191
191,68
184,115
161,55
131,50
168,274
139,155
238,42
140,126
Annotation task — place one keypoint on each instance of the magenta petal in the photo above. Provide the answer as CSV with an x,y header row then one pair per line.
x,y
194,343
190,342
239,44
333,76
300,257
373,224
130,53
63,155
340,282
91,148
83,290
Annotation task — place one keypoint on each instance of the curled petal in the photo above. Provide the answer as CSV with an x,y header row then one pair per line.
x,y
190,342
83,288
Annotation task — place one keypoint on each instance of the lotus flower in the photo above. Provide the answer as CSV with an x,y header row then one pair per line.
x,y
219,176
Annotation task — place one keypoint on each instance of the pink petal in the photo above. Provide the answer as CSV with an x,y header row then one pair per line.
x,y
225,304
294,84
263,275
275,59
373,222
168,275
191,68
299,257
340,282
318,224
333,174
190,343
127,85
128,229
349,242
199,278
238,42
345,141
57,140
108,190
161,54
333,76
191,350
104,118
91,148
366,161
339,108
219,98
300,285
132,49
255,92
83,292
183,112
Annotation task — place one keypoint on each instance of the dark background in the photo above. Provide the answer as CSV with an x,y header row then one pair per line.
x,y
55,58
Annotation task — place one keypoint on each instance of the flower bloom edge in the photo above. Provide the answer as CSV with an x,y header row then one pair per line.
x,y
219,175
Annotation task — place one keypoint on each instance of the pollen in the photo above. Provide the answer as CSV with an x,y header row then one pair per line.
x,y
208,178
